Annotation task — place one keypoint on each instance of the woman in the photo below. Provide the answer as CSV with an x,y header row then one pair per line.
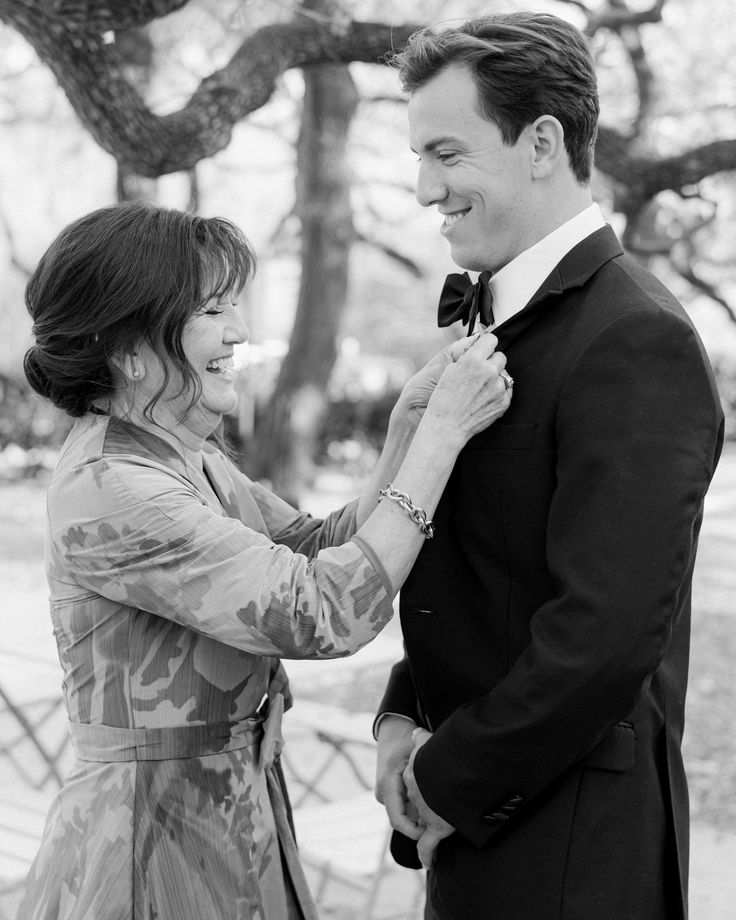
x,y
177,584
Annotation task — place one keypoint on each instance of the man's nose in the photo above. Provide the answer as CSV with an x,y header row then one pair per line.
x,y
430,190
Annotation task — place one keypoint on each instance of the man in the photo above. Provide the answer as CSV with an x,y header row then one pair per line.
x,y
529,742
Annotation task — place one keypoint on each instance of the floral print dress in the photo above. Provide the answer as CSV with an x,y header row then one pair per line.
x,y
174,592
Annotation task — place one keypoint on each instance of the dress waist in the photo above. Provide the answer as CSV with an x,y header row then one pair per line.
x,y
110,744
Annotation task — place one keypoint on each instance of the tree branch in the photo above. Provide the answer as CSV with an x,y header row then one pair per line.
x,y
682,259
640,178
616,15
97,16
14,260
91,73
400,258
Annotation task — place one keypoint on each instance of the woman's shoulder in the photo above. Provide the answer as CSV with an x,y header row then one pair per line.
x,y
105,461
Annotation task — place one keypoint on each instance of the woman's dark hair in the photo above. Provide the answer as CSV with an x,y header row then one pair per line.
x,y
524,65
119,275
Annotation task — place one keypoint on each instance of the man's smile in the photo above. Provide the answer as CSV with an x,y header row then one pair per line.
x,y
452,219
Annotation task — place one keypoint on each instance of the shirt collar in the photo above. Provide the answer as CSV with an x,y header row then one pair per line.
x,y
513,285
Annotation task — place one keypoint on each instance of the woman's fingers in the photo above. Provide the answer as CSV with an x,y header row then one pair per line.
x,y
458,348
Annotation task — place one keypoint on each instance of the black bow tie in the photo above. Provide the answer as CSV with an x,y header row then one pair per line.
x,y
461,299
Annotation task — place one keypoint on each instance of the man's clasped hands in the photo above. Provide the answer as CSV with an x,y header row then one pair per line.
x,y
397,789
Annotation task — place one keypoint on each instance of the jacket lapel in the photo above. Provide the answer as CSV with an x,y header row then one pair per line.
x,y
575,269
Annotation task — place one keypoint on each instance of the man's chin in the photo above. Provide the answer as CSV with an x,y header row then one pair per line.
x,y
469,261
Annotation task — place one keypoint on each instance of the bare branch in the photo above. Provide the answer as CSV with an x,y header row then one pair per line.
x,y
580,5
682,258
631,41
92,74
14,260
97,16
403,260
640,178
617,15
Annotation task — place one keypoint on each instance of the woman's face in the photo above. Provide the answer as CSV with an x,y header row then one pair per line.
x,y
208,341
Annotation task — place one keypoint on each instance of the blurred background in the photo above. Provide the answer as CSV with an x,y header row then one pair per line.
x,y
280,116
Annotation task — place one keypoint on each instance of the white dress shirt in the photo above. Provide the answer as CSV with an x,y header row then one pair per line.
x,y
513,285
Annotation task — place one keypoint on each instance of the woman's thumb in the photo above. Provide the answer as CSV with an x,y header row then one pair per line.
x,y
458,349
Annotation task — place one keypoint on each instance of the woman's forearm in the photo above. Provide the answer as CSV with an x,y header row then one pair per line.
x,y
398,440
469,396
390,532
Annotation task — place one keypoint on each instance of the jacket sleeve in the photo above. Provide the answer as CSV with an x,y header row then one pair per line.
x,y
400,696
638,433
300,531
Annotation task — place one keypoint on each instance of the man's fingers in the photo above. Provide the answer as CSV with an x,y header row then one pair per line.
x,y
426,846
396,809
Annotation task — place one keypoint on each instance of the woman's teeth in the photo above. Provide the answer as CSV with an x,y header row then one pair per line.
x,y
220,365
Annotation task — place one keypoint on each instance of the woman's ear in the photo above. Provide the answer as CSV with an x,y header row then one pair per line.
x,y
548,138
130,366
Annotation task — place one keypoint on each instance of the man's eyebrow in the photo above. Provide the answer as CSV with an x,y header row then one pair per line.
x,y
439,142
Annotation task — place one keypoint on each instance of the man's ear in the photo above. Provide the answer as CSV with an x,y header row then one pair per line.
x,y
548,139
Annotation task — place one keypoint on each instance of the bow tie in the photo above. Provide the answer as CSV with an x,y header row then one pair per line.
x,y
461,299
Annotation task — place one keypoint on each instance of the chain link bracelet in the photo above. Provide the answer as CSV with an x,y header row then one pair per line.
x,y
416,514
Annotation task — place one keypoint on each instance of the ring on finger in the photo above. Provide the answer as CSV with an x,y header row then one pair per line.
x,y
508,380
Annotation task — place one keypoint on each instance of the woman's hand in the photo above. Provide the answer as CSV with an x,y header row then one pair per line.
x,y
472,392
418,389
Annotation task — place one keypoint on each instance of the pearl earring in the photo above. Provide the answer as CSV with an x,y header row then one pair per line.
x,y
136,374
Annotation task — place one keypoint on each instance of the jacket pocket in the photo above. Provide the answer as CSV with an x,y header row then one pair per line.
x,y
615,751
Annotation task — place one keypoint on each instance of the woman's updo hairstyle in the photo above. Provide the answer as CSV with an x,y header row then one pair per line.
x,y
119,275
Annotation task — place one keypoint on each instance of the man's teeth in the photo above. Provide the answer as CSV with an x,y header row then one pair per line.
x,y
452,219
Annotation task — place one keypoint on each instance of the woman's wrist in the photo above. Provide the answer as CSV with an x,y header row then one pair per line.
x,y
442,434
403,421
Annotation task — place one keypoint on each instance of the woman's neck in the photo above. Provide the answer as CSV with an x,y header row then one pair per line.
x,y
182,437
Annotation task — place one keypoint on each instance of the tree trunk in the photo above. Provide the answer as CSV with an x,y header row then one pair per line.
x,y
286,438
136,52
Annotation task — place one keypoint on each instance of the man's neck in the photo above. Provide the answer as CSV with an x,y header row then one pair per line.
x,y
516,282
555,209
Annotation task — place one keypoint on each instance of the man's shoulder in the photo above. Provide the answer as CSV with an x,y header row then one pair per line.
x,y
623,288
631,282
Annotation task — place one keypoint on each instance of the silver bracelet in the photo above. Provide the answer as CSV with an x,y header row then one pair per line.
x,y
416,514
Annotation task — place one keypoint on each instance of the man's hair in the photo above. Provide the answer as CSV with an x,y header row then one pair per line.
x,y
118,275
524,65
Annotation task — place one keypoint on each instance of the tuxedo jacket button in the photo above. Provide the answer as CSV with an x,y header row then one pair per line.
x,y
495,817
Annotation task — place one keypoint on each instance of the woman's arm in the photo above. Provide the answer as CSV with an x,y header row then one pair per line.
x,y
403,422
139,536
469,396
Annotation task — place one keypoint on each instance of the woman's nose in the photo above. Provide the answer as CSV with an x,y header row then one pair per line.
x,y
236,331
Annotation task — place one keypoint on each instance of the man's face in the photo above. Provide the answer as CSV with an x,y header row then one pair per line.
x,y
480,186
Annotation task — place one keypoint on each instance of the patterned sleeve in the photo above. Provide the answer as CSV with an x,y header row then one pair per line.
x,y
138,535
300,531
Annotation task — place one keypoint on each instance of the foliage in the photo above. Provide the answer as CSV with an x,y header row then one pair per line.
x,y
666,155
31,431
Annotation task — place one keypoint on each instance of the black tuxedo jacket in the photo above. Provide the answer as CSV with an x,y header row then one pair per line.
x,y
547,624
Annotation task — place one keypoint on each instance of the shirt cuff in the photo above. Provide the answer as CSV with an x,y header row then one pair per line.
x,y
382,716
370,554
